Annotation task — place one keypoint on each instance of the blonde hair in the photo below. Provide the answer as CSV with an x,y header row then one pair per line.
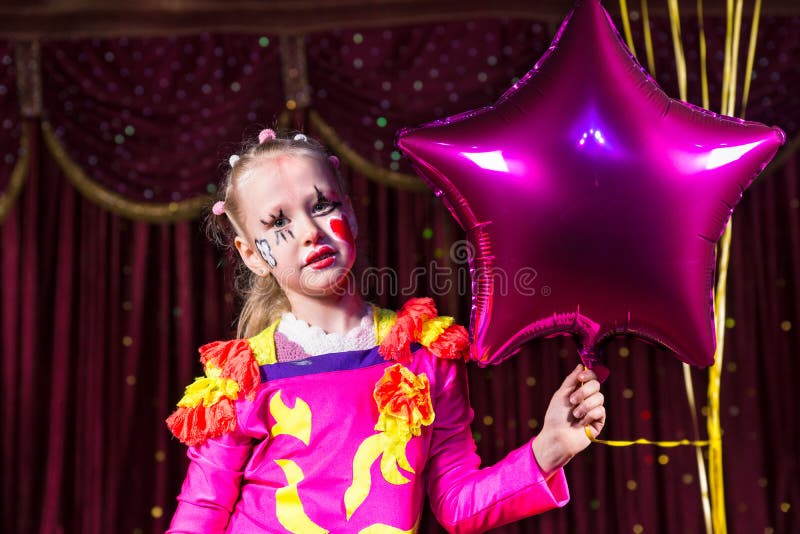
x,y
263,299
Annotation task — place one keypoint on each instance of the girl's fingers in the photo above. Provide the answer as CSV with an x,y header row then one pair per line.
x,y
586,390
596,418
591,402
587,375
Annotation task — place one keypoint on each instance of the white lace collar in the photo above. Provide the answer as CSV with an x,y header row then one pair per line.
x,y
315,341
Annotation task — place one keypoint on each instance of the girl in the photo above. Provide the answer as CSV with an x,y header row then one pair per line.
x,y
329,414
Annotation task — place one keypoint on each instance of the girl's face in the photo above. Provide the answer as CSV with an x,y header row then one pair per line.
x,y
297,224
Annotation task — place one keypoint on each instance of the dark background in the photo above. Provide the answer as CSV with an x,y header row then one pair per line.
x,y
111,115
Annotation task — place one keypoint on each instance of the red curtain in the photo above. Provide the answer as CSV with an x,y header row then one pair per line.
x,y
101,316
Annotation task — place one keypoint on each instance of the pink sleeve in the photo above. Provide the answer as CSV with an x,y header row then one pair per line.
x,y
211,487
465,498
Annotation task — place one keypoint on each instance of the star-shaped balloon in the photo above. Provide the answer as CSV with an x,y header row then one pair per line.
x,y
593,200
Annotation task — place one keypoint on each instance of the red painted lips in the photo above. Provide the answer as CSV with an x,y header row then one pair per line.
x,y
321,257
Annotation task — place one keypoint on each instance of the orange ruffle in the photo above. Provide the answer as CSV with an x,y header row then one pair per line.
x,y
404,403
235,359
416,311
452,344
193,426
397,343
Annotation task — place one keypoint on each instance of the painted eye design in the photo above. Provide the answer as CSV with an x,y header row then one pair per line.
x,y
323,207
276,222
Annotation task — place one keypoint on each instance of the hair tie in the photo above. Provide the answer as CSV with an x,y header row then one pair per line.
x,y
232,160
218,208
267,134
334,161
300,137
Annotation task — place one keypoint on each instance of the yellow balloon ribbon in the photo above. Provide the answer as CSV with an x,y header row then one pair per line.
x,y
713,508
701,39
648,39
713,421
737,33
677,45
643,441
702,475
751,53
626,25
726,66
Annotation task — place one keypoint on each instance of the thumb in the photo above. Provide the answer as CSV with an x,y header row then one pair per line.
x,y
571,382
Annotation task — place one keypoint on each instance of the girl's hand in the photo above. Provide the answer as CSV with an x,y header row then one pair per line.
x,y
572,407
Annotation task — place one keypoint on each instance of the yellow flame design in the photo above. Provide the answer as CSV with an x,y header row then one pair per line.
x,y
291,421
288,507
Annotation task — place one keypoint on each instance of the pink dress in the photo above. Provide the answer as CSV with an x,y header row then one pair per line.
x,y
352,442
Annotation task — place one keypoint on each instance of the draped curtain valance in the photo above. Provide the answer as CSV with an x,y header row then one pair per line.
x,y
143,126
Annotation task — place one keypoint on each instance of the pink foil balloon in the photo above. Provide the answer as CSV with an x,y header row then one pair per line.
x,y
593,200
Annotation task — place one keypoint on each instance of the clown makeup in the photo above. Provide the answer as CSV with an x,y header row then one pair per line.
x,y
302,226
266,252
278,223
326,206
341,228
281,234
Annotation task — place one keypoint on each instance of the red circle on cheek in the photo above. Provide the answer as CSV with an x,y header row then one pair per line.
x,y
341,229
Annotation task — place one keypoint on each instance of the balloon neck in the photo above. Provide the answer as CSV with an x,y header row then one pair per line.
x,y
592,359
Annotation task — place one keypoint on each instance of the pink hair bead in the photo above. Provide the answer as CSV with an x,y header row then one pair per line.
x,y
267,134
218,208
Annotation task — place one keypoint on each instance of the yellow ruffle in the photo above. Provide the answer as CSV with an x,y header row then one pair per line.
x,y
208,390
433,328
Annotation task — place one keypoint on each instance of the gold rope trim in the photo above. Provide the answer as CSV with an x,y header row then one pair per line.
x,y
358,163
115,203
18,175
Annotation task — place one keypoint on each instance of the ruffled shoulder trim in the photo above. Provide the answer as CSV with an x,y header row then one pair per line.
x,y
418,321
383,321
207,408
263,345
